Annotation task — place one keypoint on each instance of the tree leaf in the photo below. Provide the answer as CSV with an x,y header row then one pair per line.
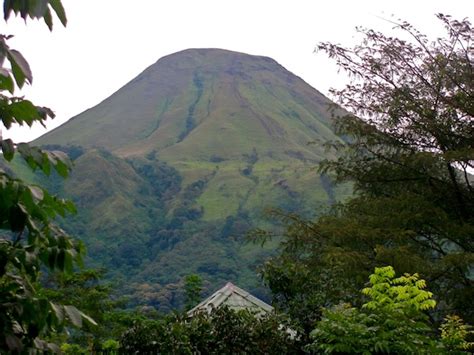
x,y
58,311
59,10
68,262
48,19
61,162
24,111
6,81
52,254
60,260
87,318
20,67
17,218
74,315
36,192
8,149
7,9
39,8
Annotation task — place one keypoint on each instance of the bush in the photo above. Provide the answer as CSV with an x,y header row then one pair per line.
x,y
224,331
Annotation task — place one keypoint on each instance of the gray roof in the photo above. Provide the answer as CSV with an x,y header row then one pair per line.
x,y
233,297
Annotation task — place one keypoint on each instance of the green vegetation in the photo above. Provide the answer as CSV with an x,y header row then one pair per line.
x,y
29,240
192,289
163,201
392,321
409,159
222,332
174,191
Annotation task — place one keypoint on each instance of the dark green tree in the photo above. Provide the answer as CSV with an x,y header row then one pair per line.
x,y
409,154
29,241
192,290
224,331
301,276
86,291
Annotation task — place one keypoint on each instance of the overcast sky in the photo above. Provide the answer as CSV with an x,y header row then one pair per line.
x,y
108,42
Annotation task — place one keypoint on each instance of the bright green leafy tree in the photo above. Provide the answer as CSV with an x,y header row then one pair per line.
x,y
455,334
29,240
394,320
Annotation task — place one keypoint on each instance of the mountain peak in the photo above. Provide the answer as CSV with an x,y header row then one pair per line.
x,y
195,103
214,55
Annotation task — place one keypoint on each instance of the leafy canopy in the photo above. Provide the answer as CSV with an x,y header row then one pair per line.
x,y
410,157
29,240
394,320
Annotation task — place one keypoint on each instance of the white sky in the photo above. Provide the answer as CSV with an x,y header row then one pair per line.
x,y
108,42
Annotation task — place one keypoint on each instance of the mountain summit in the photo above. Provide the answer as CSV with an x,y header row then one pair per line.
x,y
174,168
199,103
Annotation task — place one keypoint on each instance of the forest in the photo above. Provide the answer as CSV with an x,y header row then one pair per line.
x,y
387,270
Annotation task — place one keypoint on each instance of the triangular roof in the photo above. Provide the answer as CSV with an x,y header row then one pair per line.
x,y
233,297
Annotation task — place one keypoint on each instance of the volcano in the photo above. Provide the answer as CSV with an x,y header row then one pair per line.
x,y
176,166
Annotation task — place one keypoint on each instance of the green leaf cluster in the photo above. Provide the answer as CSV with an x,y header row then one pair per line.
x,y
405,292
408,152
224,331
455,334
410,157
85,290
394,320
29,240
35,9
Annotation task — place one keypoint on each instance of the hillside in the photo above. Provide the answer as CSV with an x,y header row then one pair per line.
x,y
174,168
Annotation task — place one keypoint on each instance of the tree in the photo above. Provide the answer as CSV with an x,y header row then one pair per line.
x,y
409,153
29,240
192,290
224,331
86,291
455,333
301,277
409,156
394,320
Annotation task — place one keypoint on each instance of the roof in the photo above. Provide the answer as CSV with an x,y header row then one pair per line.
x,y
233,297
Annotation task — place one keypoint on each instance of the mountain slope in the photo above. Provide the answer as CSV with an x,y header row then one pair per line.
x,y
192,104
174,168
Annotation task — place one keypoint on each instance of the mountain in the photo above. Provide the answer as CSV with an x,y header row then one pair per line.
x,y
174,168
192,104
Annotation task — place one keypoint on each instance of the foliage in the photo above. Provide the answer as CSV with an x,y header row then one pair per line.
x,y
408,152
455,333
301,277
110,346
86,291
192,289
404,293
29,241
392,321
222,332
409,156
73,349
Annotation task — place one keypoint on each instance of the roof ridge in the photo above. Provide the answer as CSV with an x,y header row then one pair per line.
x,y
223,294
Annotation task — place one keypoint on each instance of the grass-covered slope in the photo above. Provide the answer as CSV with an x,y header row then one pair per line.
x,y
205,103
174,168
